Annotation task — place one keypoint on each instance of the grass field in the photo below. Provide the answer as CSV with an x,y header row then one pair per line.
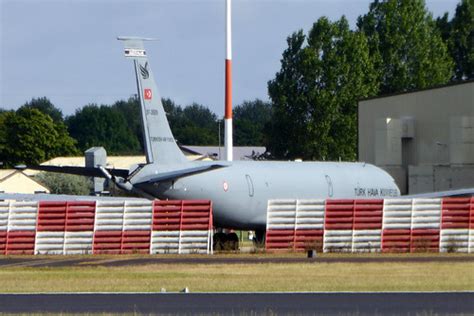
x,y
311,276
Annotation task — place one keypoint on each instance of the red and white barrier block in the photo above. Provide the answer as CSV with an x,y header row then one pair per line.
x,y
50,228
137,221
108,227
181,227
104,227
455,224
64,227
396,225
79,228
471,227
281,218
367,226
328,225
391,225
338,225
309,224
4,212
122,227
425,225
295,225
353,225
21,230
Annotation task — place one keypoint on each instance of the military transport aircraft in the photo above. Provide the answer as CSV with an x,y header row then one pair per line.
x,y
239,190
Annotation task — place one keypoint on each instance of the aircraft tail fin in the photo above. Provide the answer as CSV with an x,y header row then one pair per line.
x,y
160,145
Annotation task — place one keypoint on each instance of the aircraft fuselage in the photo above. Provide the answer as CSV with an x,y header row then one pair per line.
x,y
240,191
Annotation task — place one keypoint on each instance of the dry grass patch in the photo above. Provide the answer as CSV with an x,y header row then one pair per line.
x,y
391,276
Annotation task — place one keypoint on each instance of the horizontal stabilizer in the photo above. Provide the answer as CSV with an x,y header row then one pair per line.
x,y
81,171
176,174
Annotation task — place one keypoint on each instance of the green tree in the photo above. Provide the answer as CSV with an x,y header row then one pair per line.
x,y
444,27
405,45
4,115
130,109
459,36
59,183
315,93
174,113
104,126
118,128
200,115
200,126
250,119
46,107
193,125
31,137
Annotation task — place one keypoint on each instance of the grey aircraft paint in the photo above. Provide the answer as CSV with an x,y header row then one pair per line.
x,y
239,190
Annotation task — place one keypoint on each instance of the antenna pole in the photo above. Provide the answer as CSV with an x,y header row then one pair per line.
x,y
228,85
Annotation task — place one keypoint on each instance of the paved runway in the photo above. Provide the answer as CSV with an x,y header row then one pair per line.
x,y
402,303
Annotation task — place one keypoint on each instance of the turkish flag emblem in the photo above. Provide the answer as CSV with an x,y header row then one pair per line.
x,y
148,95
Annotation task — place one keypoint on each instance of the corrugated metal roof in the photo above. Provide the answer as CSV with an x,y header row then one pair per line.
x,y
124,162
446,85
118,162
240,152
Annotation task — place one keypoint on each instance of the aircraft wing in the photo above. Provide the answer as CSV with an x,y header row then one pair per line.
x,y
441,194
180,173
122,173
81,171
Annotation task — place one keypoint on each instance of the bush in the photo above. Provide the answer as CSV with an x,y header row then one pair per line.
x,y
59,183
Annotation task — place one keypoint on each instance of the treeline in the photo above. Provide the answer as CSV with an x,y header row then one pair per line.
x,y
38,131
397,46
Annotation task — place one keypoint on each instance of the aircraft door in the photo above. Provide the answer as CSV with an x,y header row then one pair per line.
x,y
249,185
330,187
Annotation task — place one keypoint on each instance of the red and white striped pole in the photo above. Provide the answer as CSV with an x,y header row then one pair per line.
x,y
228,85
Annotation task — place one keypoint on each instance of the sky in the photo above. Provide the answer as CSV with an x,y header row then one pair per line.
x,y
67,50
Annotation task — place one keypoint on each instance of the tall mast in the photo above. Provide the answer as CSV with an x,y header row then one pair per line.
x,y
228,85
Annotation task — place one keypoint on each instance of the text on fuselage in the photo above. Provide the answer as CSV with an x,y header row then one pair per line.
x,y
375,192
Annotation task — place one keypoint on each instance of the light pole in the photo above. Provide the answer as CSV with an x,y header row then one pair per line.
x,y
219,136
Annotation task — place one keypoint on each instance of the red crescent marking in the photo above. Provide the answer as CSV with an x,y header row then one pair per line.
x,y
148,94
225,186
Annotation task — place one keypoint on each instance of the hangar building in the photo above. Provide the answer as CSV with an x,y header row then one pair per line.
x,y
424,138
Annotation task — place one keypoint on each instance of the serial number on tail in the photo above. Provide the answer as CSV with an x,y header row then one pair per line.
x,y
162,139
151,112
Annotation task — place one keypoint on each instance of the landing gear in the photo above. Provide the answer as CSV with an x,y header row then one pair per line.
x,y
219,241
226,242
233,241
259,239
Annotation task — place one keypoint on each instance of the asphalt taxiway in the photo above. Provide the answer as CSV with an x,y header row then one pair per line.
x,y
393,303
118,261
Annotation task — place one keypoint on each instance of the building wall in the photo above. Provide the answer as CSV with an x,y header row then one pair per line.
x,y
18,182
425,137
